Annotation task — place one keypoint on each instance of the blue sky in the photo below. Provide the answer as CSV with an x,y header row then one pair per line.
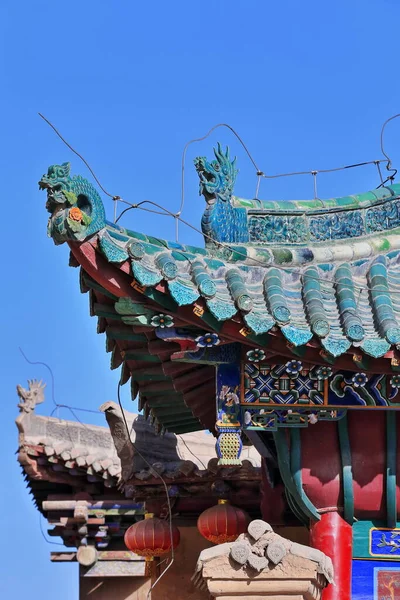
x,y
306,84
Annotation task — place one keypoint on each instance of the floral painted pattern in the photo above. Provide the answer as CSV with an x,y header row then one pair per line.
x,y
323,373
162,321
359,379
293,367
255,355
208,340
395,381
75,214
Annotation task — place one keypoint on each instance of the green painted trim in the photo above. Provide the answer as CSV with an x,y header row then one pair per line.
x,y
160,298
170,305
391,468
90,283
295,467
107,311
361,534
122,335
140,356
347,470
293,507
143,376
308,512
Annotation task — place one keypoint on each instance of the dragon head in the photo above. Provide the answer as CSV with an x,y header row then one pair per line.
x,y
217,178
75,207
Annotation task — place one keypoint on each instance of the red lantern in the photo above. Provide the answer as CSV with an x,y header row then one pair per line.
x,y
151,537
222,523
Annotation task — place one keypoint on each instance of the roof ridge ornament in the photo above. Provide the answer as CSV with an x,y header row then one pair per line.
x,y
75,207
32,396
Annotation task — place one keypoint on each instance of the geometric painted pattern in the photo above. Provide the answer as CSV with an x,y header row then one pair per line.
x,y
291,384
266,384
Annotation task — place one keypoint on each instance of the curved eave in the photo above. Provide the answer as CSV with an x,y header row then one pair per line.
x,y
294,337
173,395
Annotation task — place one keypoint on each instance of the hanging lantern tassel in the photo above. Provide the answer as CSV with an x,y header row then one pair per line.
x,y
151,537
223,523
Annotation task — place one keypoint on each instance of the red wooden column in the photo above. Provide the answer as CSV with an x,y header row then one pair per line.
x,y
333,536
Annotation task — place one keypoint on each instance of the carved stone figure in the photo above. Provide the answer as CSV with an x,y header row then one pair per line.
x,y
31,396
262,563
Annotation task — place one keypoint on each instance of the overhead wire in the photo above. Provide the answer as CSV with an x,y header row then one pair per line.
x,y
177,215
191,452
43,535
238,252
57,406
259,172
389,160
159,476
152,469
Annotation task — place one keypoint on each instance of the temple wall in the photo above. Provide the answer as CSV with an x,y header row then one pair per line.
x,y
114,588
177,585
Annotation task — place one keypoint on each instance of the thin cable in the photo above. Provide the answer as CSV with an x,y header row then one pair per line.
x,y
56,405
79,155
353,166
200,139
192,453
47,367
258,186
378,166
43,535
157,474
259,173
389,160
332,282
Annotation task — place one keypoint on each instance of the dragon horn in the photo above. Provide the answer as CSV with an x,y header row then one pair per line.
x,y
219,155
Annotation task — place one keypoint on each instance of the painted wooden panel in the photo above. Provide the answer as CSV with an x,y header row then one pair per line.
x,y
372,539
375,580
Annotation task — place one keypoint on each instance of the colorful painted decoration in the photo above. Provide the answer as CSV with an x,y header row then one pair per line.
x,y
395,381
263,262
208,340
385,542
162,321
256,355
283,385
272,419
229,443
293,367
151,537
292,384
359,380
222,523
323,373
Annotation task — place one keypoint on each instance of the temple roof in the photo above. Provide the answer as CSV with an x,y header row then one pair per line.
x,y
71,466
61,456
316,279
350,303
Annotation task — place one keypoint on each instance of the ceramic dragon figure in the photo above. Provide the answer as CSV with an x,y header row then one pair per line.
x,y
221,221
75,207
